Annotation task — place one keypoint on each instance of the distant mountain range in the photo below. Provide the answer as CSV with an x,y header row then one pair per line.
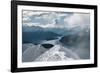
x,y
37,35
60,31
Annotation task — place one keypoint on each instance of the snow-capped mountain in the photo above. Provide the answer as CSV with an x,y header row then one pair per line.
x,y
57,53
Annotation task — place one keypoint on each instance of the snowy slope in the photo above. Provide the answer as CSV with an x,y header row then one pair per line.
x,y
32,52
57,53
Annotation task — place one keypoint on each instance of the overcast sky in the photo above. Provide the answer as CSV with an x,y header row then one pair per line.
x,y
46,19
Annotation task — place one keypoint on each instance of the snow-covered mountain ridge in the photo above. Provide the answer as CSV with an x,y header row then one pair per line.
x,y
57,53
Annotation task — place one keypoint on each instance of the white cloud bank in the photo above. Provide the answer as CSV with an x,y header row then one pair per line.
x,y
78,19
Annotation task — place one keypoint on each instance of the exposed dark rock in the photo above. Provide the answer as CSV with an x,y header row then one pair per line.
x,y
47,46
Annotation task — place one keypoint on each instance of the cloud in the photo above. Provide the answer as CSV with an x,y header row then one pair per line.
x,y
31,13
30,24
77,19
27,15
55,19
